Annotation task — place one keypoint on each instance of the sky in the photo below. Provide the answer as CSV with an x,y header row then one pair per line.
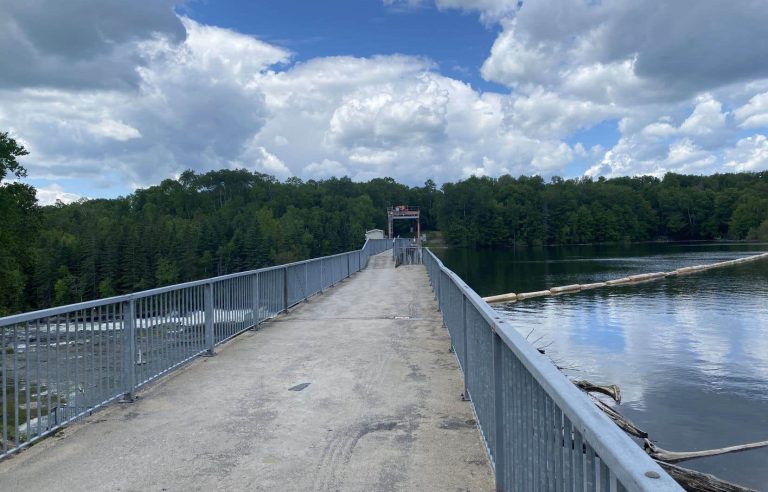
x,y
110,96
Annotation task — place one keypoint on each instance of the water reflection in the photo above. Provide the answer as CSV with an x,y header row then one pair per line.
x,y
690,353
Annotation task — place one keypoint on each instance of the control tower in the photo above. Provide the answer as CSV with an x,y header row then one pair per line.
x,y
404,212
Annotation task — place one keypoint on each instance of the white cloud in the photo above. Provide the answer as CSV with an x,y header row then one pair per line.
x,y
684,155
196,106
49,195
660,129
707,117
546,114
490,10
749,154
516,61
257,158
114,129
325,169
182,95
754,114
82,44
637,155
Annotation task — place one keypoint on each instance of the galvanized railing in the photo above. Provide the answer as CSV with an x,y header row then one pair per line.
x,y
540,431
60,364
406,251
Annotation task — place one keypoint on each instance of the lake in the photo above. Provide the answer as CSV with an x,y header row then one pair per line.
x,y
690,353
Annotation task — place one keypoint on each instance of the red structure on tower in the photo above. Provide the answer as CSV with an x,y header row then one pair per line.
x,y
404,212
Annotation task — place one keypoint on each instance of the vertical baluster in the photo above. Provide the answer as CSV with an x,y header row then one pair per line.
x,y
549,449
109,322
77,380
166,333
529,433
558,447
4,396
255,300
128,310
578,465
16,385
38,382
209,318
568,457
498,399
591,483
89,363
285,289
604,477
170,329
465,362
68,366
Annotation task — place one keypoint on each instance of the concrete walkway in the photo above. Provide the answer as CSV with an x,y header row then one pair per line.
x,y
340,394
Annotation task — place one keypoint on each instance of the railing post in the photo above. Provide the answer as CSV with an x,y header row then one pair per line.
x,y
439,287
209,313
349,268
465,361
306,281
129,350
359,260
498,399
285,289
255,300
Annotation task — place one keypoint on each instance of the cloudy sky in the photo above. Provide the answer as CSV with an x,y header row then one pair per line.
x,y
110,95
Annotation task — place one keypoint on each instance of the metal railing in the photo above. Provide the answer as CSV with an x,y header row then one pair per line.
x,y
406,251
60,364
540,431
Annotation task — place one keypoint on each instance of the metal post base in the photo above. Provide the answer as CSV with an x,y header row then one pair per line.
x,y
127,398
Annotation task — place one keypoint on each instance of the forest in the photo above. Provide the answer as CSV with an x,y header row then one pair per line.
x,y
224,221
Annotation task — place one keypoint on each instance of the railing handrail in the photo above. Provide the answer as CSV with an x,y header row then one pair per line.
x,y
84,305
631,465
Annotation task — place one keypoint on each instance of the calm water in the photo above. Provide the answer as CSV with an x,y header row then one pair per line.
x,y
689,353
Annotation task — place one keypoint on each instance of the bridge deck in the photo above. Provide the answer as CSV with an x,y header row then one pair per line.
x,y
381,410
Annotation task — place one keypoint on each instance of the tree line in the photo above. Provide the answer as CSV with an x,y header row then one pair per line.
x,y
508,212
225,221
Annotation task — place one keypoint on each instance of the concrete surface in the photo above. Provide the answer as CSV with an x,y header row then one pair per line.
x,y
381,409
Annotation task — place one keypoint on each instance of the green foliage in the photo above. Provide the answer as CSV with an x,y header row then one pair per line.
x,y
759,233
9,151
225,221
198,226
19,222
527,211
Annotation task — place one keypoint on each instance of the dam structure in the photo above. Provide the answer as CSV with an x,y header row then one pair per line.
x,y
338,373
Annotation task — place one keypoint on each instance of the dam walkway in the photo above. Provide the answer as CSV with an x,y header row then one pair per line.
x,y
352,389
338,373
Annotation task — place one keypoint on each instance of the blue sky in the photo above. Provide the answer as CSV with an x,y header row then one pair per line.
x,y
455,40
117,95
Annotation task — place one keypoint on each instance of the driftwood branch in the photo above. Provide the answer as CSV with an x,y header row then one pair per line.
x,y
690,480
695,481
611,390
624,424
658,453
